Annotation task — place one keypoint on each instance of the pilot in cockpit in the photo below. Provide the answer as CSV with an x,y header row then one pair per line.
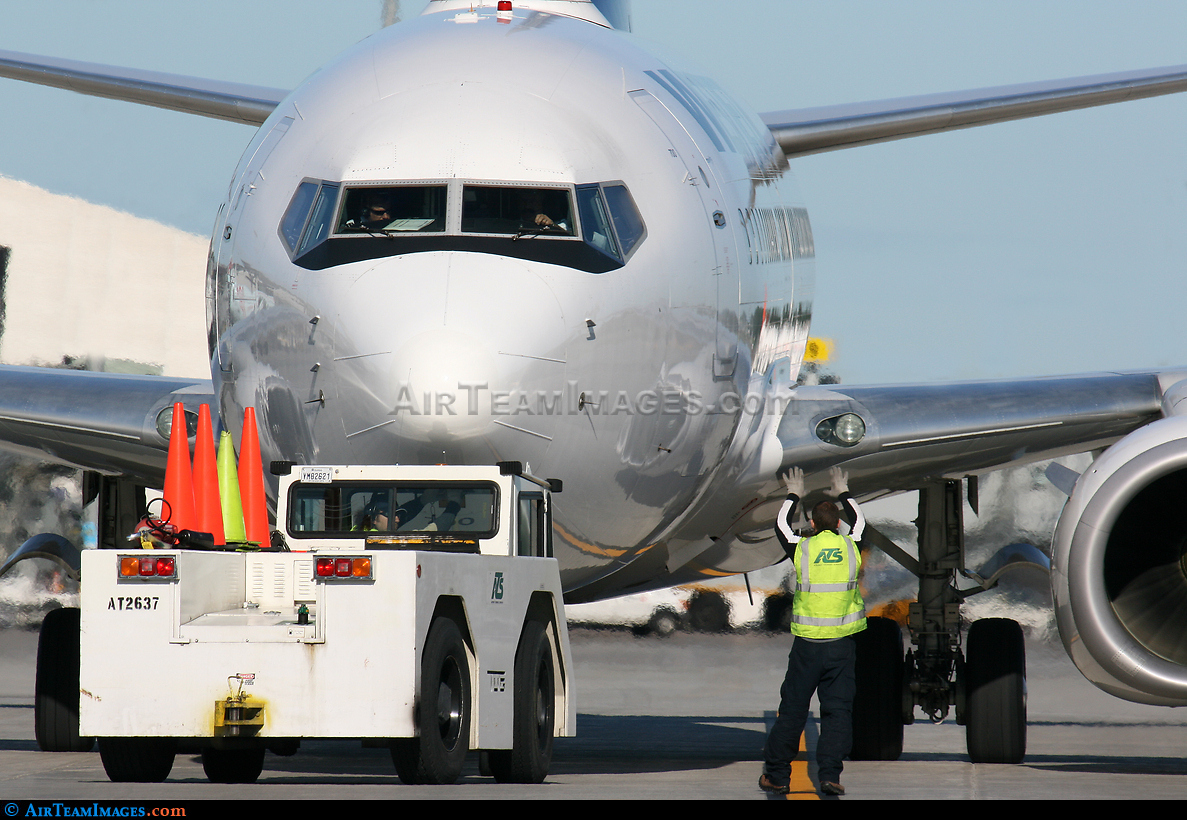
x,y
534,213
377,213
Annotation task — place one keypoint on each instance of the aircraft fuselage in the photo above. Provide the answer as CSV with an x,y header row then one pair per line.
x,y
611,350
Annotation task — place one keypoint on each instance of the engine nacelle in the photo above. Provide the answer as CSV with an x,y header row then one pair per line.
x,y
1119,572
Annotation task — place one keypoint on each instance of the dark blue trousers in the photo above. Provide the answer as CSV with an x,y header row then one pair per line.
x,y
826,668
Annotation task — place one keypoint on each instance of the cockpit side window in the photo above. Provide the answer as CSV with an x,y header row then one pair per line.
x,y
318,228
627,221
493,209
393,209
595,221
293,222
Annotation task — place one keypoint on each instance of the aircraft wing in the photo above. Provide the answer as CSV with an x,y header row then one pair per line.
x,y
832,127
236,102
924,432
798,131
98,421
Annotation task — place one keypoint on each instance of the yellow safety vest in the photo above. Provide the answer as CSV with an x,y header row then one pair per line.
x,y
827,601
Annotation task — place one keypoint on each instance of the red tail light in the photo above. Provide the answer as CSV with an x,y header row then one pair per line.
x,y
147,566
358,567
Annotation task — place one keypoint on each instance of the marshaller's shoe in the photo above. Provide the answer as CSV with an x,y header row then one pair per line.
x,y
767,785
829,787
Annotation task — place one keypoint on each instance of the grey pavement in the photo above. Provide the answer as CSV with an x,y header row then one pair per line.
x,y
677,718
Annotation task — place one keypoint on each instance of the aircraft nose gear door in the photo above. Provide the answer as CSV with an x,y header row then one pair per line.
x,y
699,174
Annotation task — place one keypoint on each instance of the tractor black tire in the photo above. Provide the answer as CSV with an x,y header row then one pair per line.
x,y
55,705
233,765
443,712
137,759
534,720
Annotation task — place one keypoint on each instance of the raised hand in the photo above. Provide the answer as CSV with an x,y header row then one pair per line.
x,y
793,481
840,480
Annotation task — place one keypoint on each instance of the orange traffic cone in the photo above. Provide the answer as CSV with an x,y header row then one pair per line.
x,y
207,506
179,483
251,482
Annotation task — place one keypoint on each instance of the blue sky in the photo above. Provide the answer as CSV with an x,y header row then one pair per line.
x,y
1046,246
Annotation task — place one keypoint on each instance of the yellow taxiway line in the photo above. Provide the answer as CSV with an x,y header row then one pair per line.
x,y
802,787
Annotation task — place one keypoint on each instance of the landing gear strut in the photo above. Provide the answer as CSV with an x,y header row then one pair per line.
x,y
986,682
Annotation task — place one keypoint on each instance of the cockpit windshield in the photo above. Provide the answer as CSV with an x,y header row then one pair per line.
x,y
593,227
398,208
518,211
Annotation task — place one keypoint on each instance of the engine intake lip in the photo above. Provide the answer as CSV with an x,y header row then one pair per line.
x,y
1104,634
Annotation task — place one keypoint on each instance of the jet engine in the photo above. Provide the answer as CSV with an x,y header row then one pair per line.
x,y
1119,564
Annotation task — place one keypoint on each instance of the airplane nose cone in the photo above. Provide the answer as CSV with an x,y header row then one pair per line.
x,y
439,372
436,343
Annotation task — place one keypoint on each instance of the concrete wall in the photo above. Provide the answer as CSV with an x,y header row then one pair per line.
x,y
88,281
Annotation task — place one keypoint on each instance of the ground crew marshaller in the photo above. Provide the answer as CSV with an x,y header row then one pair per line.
x,y
827,611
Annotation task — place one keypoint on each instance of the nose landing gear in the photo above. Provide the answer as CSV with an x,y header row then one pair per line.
x,y
986,682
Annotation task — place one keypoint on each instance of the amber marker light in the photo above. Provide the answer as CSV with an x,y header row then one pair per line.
x,y
129,566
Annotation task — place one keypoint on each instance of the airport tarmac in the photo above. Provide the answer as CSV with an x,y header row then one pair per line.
x,y
677,718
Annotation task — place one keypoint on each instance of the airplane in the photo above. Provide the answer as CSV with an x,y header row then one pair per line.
x,y
642,343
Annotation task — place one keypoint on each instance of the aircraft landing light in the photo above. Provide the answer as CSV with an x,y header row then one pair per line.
x,y
846,430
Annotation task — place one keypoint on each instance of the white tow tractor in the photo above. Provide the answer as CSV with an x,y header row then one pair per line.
x,y
417,608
